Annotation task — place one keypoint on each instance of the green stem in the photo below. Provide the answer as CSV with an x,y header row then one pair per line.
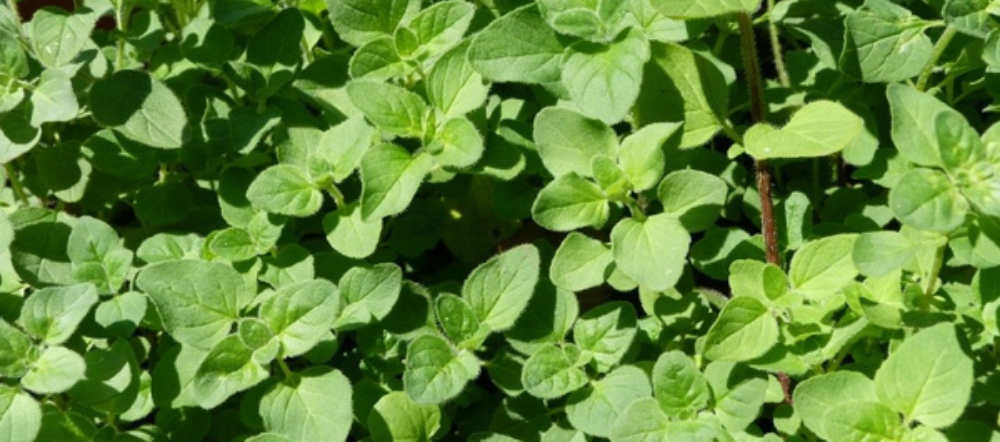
x,y
337,195
121,17
939,48
933,276
730,131
287,372
779,57
15,183
634,208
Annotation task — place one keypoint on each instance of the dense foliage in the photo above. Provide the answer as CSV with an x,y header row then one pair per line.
x,y
500,220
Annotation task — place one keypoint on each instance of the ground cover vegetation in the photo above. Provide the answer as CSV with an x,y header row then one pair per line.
x,y
500,220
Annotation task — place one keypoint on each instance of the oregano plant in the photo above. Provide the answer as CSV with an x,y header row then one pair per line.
x,y
500,220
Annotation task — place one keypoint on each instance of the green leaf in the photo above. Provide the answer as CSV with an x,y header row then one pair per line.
x,y
926,199
20,415
197,301
91,240
299,313
695,198
369,293
53,314
111,384
915,117
390,178
739,393
568,141
881,253
861,422
121,314
350,234
359,21
53,99
345,144
606,332
140,107
816,396
928,378
595,409
570,202
651,252
744,330
232,244
440,26
818,129
680,85
58,36
641,154
279,42
644,421
885,43
13,59
436,371
229,368
703,8
679,386
312,406
453,87
206,42
285,190
395,417
17,135
16,351
553,371
499,289
458,321
603,80
518,47
38,252
822,267
547,319
457,143
392,108
580,263
55,371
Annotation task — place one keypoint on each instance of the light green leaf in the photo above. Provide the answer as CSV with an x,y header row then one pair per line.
x,y
452,86
58,36
553,371
821,268
140,107
743,331
56,370
285,189
16,351
570,202
91,240
818,129
369,293
53,314
885,43
395,417
880,253
350,234
518,47
299,313
499,289
680,85
111,384
390,177
122,314
378,60
604,80
17,135
928,378
392,108
20,415
606,332
580,263
641,154
197,301
816,396
652,252
547,319
314,406
915,124
53,99
233,244
739,393
703,8
644,421
595,409
440,26
436,371
568,141
358,21
695,198
457,143
229,368
926,199
459,322
679,386
861,422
